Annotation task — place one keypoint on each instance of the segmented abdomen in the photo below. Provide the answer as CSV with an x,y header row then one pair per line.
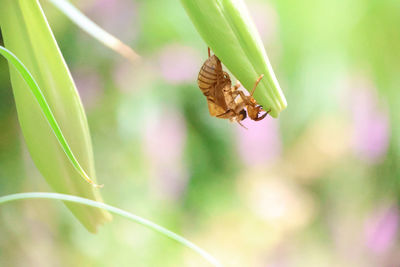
x,y
208,74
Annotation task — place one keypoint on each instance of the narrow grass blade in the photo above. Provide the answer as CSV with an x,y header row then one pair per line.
x,y
27,76
120,212
94,30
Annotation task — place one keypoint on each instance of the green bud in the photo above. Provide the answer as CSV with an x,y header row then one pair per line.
x,y
227,28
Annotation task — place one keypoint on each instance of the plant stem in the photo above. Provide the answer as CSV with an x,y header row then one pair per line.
x,y
94,30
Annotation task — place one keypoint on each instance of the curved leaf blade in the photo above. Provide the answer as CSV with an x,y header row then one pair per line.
x,y
27,76
27,34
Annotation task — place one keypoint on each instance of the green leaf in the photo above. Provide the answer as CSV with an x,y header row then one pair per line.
x,y
27,76
26,32
128,215
227,28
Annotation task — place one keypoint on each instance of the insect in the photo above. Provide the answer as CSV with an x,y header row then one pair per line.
x,y
224,100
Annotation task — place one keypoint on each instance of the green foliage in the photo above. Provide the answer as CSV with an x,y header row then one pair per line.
x,y
292,191
27,34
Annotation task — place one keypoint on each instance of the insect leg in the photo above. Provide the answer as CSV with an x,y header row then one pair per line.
x,y
237,86
228,114
255,85
242,125
209,52
234,94
245,98
235,89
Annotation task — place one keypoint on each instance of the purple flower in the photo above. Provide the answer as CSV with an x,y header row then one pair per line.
x,y
164,140
165,137
180,64
89,86
119,17
265,19
381,229
260,143
371,123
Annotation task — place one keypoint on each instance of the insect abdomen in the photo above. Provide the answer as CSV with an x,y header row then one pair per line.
x,y
208,74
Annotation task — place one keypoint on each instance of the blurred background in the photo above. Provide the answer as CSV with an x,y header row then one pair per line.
x,y
316,187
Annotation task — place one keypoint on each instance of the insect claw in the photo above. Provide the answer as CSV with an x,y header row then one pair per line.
x,y
262,117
